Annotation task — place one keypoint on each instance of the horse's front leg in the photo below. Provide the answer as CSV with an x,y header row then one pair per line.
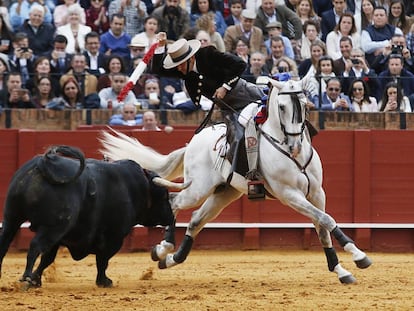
x,y
206,213
184,199
326,225
166,246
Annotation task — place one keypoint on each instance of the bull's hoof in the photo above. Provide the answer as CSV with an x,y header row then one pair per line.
x,y
106,283
363,263
26,283
24,286
347,279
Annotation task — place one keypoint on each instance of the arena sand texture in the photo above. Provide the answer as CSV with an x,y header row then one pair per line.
x,y
214,280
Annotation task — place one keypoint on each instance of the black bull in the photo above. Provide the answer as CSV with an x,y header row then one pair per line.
x,y
89,206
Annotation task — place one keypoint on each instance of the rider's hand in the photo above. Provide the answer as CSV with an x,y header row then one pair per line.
x,y
162,38
220,92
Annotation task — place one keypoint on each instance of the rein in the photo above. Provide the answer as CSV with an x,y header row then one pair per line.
x,y
275,143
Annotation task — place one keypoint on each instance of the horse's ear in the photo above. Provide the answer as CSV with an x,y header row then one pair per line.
x,y
263,81
277,84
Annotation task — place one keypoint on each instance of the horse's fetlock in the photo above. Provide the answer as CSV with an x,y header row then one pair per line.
x,y
341,237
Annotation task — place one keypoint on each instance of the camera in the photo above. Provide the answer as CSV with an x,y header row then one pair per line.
x,y
396,49
355,61
24,49
281,69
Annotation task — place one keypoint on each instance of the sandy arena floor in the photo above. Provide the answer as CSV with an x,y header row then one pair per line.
x,y
214,280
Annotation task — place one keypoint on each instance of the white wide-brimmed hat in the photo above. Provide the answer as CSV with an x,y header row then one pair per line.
x,y
139,42
180,51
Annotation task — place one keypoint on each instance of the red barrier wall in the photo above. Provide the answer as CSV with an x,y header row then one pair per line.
x,y
367,178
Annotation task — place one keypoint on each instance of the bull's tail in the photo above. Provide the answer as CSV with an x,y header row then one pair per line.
x,y
121,147
56,171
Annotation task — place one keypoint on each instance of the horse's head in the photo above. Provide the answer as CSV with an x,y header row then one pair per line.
x,y
287,108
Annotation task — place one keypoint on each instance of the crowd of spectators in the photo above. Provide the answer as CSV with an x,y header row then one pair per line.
x,y
356,55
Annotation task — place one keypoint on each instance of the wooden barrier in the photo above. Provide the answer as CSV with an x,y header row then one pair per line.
x,y
368,178
43,119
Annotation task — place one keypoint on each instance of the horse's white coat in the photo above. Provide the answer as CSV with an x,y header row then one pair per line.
x,y
200,163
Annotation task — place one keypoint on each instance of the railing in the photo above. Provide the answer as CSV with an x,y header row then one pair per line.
x,y
44,119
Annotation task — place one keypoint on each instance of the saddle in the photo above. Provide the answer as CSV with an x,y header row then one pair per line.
x,y
236,154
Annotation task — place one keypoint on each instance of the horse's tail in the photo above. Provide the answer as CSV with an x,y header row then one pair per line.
x,y
121,147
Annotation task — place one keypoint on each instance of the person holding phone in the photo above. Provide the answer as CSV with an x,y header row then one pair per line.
x,y
22,59
14,96
360,69
333,99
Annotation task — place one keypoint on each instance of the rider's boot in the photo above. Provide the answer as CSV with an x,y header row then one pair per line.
x,y
255,187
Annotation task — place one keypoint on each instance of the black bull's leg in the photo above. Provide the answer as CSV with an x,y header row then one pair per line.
x,y
169,235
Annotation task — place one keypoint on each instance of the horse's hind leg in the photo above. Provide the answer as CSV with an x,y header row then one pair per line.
x,y
207,212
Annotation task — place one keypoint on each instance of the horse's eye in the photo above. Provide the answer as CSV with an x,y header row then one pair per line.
x,y
282,108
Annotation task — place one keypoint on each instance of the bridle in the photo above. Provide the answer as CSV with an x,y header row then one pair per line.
x,y
297,113
277,144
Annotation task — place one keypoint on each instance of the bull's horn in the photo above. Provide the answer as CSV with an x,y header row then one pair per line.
x,y
170,184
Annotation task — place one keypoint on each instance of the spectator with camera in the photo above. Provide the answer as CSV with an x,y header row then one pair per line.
x,y
22,58
393,99
360,70
397,45
59,59
376,37
14,95
333,99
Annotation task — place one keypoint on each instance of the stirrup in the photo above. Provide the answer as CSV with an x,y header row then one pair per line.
x,y
256,190
255,187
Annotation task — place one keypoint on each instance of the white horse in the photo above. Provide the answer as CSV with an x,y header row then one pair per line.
x,y
290,166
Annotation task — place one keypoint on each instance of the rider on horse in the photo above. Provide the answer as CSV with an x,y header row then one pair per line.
x,y
216,75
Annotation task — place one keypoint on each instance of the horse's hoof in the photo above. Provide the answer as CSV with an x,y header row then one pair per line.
x,y
347,279
363,263
154,255
162,264
167,262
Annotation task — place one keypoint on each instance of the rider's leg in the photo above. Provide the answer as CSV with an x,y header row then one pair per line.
x,y
235,133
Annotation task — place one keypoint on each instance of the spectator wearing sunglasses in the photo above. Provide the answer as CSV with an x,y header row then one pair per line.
x,y
333,99
359,96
